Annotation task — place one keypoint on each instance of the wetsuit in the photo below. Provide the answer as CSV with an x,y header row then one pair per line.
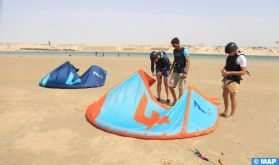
x,y
162,65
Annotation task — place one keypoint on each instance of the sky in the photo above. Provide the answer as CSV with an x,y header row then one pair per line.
x,y
140,22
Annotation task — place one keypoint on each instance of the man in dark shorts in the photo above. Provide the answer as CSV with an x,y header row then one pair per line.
x,y
162,62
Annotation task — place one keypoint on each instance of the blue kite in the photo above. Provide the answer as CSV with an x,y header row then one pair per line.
x,y
130,109
66,76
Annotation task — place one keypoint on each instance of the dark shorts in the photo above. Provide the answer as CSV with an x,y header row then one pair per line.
x,y
163,70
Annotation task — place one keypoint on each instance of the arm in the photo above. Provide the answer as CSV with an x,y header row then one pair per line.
x,y
187,59
242,72
152,66
223,69
242,63
188,64
172,66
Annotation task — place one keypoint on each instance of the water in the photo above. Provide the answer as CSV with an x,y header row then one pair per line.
x,y
126,54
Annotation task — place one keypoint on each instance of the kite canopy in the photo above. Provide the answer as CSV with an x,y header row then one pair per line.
x,y
130,109
66,76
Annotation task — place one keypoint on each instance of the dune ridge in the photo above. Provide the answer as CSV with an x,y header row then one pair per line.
x,y
195,49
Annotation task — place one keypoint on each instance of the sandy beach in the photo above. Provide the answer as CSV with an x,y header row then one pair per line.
x,y
48,126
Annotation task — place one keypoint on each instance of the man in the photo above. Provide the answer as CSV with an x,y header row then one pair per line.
x,y
161,60
232,71
180,68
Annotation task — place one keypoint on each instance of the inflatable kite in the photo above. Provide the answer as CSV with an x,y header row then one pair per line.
x,y
130,109
66,76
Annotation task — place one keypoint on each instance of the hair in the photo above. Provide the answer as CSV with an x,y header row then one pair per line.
x,y
175,41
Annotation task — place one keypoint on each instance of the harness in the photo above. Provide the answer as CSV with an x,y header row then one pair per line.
x,y
161,63
179,60
231,65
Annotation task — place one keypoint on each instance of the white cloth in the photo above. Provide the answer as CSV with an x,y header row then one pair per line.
x,y
241,60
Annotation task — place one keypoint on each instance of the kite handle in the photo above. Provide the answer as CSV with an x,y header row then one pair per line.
x,y
198,154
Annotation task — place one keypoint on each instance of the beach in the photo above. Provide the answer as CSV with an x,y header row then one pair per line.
x,y
48,126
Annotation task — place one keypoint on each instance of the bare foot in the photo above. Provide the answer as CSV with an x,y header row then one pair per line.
x,y
225,115
232,118
173,103
168,101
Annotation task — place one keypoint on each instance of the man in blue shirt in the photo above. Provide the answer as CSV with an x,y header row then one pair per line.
x,y
180,68
162,62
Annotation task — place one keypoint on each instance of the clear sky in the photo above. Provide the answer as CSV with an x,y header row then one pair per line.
x,y
214,22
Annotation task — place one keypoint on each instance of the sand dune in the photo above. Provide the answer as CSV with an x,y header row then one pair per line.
x,y
195,49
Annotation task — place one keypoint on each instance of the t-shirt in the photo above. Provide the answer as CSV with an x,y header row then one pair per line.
x,y
241,60
186,52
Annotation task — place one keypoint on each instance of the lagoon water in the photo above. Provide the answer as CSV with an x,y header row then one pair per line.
x,y
124,54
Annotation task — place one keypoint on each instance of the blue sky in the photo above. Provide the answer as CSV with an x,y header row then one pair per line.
x,y
214,22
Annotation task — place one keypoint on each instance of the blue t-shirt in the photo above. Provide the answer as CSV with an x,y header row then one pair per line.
x,y
185,53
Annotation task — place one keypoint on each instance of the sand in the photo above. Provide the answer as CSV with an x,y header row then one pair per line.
x,y
48,126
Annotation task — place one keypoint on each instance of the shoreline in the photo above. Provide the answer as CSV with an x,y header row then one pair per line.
x,y
121,54
194,49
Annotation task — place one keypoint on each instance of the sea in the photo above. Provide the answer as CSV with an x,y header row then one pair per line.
x,y
125,54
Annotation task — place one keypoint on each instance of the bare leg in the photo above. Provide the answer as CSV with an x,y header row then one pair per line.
x,y
226,102
180,90
166,80
233,102
173,95
159,84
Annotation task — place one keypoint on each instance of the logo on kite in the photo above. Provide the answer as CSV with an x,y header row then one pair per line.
x,y
97,74
197,105
148,121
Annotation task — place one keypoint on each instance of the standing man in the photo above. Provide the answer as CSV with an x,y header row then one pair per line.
x,y
232,71
179,69
162,62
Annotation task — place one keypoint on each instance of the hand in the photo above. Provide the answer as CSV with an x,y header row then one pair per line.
x,y
184,75
226,73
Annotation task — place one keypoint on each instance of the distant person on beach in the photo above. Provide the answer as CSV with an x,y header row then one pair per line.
x,y
162,62
179,69
96,54
235,67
